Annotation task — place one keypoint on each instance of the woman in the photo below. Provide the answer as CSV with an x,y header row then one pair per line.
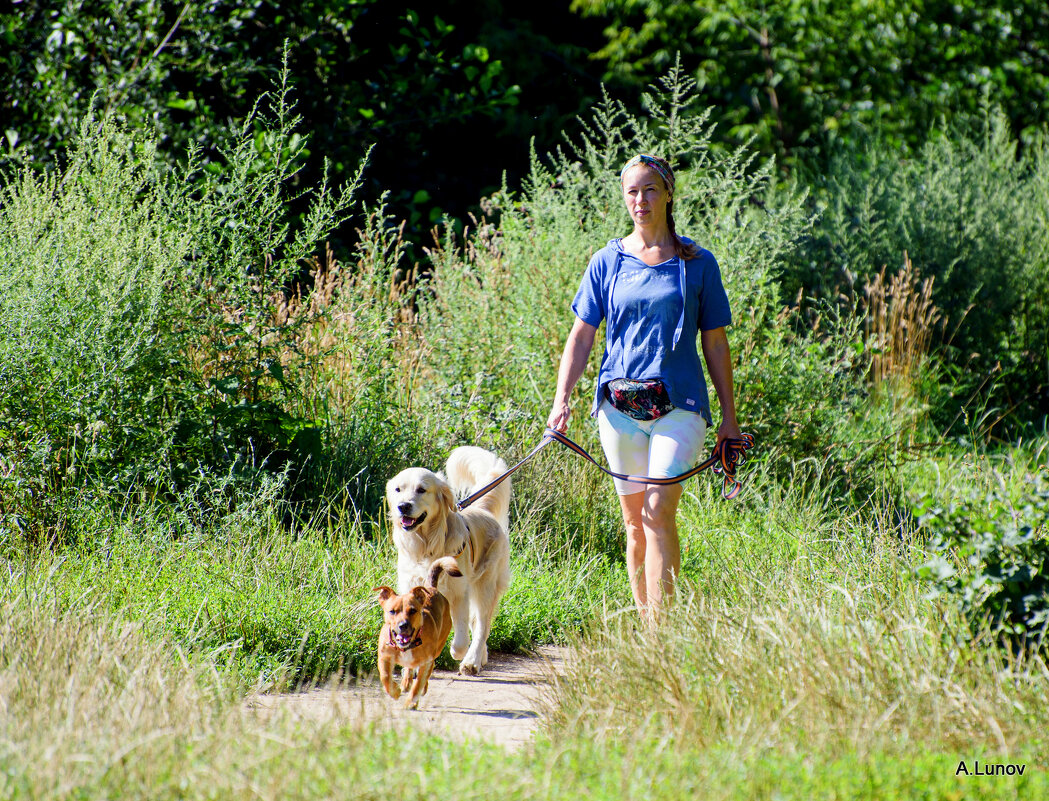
x,y
658,293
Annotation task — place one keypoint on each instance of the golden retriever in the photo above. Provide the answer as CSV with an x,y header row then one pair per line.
x,y
414,631
427,526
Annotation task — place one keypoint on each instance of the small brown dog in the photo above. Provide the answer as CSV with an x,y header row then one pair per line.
x,y
415,629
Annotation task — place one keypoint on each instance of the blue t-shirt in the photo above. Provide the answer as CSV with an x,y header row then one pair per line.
x,y
648,332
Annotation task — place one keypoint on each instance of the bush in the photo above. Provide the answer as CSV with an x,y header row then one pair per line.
x,y
141,346
990,557
971,213
88,358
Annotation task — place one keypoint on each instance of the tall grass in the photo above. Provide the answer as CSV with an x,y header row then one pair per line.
x,y
831,668
802,632
803,660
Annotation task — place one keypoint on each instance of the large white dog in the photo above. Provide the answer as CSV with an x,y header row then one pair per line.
x,y
427,526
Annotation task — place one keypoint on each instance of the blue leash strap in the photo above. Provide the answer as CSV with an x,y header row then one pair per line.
x,y
728,455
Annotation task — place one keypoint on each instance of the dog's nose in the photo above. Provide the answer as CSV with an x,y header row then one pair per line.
x,y
404,508
404,625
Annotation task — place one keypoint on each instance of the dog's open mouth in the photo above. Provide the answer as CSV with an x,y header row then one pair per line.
x,y
402,640
408,523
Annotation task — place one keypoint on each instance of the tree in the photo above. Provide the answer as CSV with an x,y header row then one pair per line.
x,y
432,90
798,74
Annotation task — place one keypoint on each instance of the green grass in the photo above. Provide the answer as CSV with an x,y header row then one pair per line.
x,y
279,608
803,661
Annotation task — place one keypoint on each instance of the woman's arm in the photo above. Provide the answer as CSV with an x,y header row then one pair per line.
x,y
573,362
719,365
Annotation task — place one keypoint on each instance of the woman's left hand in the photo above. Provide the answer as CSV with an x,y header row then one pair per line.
x,y
729,429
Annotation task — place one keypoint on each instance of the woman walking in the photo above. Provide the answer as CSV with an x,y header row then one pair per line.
x,y
660,296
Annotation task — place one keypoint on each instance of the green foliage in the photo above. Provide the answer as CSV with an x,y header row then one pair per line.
x,y
140,345
88,357
971,214
247,251
802,75
990,557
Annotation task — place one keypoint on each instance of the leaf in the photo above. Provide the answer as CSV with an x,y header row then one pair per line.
x,y
275,369
229,385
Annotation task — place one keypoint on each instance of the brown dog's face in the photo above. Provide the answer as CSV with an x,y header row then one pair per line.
x,y
418,497
403,614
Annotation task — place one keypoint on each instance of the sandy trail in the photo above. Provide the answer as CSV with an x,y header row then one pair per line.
x,y
502,705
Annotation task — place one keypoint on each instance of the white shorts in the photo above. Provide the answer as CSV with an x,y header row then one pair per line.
x,y
662,448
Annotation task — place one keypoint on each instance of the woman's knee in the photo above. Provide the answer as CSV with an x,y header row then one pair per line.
x,y
661,504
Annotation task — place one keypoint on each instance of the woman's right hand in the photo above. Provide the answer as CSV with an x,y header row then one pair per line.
x,y
559,414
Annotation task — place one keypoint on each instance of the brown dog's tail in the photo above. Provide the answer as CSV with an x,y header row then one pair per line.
x,y
446,565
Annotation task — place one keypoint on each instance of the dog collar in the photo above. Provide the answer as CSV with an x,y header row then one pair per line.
x,y
414,643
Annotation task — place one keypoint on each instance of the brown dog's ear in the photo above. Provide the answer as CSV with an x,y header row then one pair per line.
x,y
419,594
384,593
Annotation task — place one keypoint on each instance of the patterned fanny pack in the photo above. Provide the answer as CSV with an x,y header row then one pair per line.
x,y
642,400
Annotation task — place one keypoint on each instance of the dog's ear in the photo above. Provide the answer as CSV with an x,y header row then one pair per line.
x,y
445,496
420,594
385,593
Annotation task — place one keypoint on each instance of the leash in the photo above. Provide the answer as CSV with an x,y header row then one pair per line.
x,y
727,456
546,440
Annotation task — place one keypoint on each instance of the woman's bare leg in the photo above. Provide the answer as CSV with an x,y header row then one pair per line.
x,y
662,546
636,548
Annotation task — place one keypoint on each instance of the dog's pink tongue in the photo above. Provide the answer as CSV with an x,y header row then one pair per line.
x,y
407,522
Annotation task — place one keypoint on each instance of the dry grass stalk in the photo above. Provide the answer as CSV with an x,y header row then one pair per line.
x,y
345,312
900,320
328,327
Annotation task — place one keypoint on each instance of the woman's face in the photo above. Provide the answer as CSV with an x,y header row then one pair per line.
x,y
645,195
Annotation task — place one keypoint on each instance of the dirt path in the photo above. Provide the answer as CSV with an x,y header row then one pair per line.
x,y
499,706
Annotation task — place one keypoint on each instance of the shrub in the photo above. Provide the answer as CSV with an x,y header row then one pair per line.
x,y
971,212
88,360
140,342
990,557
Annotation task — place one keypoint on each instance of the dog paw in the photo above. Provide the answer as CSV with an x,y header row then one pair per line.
x,y
469,669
